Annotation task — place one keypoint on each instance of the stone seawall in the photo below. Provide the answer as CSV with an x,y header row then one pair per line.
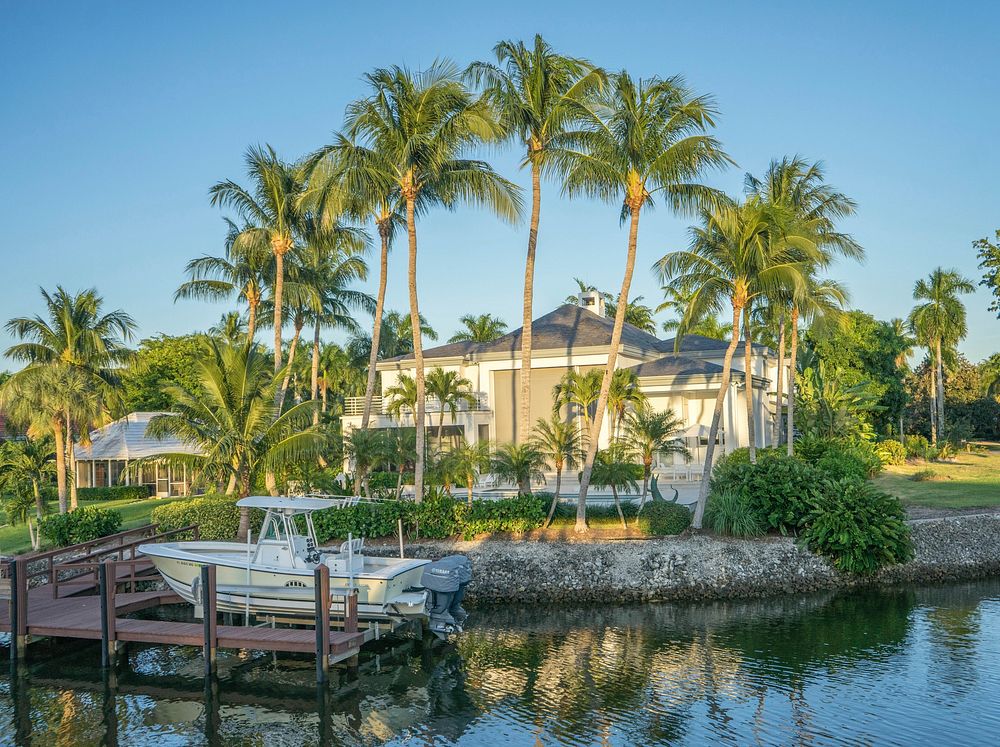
x,y
701,566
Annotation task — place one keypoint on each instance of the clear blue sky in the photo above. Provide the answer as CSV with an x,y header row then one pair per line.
x,y
116,118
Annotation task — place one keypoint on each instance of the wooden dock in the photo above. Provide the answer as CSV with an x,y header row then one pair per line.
x,y
80,599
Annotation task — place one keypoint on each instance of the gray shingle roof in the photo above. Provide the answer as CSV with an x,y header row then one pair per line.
x,y
679,366
126,439
702,344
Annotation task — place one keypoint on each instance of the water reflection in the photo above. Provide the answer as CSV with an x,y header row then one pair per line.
x,y
889,667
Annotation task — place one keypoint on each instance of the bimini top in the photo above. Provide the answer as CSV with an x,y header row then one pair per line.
x,y
294,505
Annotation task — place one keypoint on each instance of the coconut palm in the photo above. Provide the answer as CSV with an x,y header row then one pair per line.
x,y
244,270
649,433
614,468
623,395
731,260
231,327
940,318
538,95
451,390
468,461
560,442
414,130
480,328
395,338
271,213
648,138
518,464
233,420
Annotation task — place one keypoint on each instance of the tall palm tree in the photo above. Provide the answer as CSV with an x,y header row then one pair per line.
x,y
245,270
647,138
271,213
561,445
401,396
940,315
581,390
395,338
623,395
417,128
538,96
367,449
901,331
85,344
613,468
730,261
231,327
480,328
233,419
450,390
649,433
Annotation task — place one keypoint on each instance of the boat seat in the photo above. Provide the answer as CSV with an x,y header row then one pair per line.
x,y
355,545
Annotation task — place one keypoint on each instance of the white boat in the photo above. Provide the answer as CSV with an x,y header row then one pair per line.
x,y
274,575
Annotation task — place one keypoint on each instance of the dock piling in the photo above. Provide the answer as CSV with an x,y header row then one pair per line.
x,y
321,585
209,605
19,606
106,576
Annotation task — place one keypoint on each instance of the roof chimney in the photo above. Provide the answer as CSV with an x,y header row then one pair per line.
x,y
593,301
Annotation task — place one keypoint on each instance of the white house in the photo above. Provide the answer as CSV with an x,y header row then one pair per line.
x,y
578,337
105,460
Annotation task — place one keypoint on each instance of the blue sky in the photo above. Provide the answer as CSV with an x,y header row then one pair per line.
x,y
116,118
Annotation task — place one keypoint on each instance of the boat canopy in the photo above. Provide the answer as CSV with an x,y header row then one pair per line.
x,y
287,505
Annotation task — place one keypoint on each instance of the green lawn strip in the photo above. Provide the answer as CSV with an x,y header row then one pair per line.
x,y
971,481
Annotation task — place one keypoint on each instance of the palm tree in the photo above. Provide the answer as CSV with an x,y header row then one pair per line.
x,y
730,260
623,395
898,328
367,449
614,468
647,138
86,344
244,270
415,130
581,390
233,420
395,338
561,445
401,396
538,96
649,433
480,328
468,461
518,464
28,463
271,214
401,447
231,327
450,390
941,318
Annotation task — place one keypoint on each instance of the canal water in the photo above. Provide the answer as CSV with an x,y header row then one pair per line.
x,y
905,666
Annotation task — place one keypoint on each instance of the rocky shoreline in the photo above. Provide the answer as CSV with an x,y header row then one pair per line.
x,y
703,566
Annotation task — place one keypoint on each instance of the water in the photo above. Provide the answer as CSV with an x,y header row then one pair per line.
x,y
910,666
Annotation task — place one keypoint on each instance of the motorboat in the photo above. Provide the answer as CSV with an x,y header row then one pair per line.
x,y
274,575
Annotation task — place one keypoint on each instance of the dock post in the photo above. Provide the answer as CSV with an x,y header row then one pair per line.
x,y
109,635
321,585
19,606
209,603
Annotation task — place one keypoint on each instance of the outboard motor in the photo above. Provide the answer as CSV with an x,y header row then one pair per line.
x,y
445,581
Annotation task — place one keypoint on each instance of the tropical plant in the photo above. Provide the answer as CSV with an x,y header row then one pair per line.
x,y
451,390
614,468
939,319
645,139
518,464
829,408
233,420
649,433
729,512
367,449
401,397
231,327
413,131
395,338
26,465
890,451
637,314
662,518
988,254
480,328
624,396
469,461
560,442
580,390
538,97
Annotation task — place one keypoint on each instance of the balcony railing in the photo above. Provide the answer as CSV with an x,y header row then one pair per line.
x,y
356,405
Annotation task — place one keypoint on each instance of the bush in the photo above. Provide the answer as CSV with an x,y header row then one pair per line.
x,y
775,489
859,527
838,458
82,525
729,512
114,493
518,514
659,518
916,446
217,516
924,475
890,452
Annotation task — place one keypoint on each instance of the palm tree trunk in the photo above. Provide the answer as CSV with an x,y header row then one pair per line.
x,y
279,285
609,369
252,319
59,435
468,487
441,427
933,402
940,388
792,354
383,278
37,493
418,350
555,498
713,431
779,403
70,464
524,420
748,388
618,506
291,359
646,472
314,381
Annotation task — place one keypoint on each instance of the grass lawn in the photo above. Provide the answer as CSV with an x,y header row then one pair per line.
x,y
971,481
14,539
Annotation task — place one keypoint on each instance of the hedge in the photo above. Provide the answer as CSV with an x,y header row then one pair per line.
x,y
83,525
217,516
658,518
115,493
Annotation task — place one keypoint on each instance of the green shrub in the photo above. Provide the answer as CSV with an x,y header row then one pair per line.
x,y
775,489
83,525
916,446
924,475
518,514
114,493
890,452
838,458
729,512
217,516
599,512
859,527
659,518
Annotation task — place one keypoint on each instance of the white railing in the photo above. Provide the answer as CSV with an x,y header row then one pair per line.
x,y
356,405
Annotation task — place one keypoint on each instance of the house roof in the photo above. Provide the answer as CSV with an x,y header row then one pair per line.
x,y
702,344
679,366
126,439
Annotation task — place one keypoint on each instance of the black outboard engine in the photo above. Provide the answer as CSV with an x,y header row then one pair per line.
x,y
445,581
